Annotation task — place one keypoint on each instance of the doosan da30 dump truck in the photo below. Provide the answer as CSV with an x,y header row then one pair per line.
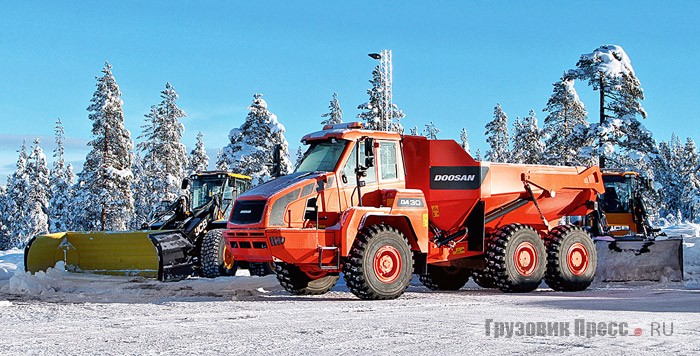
x,y
379,207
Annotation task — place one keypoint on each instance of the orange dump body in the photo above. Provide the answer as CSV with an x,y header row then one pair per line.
x,y
454,183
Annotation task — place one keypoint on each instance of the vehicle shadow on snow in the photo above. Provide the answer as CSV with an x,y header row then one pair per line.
x,y
639,297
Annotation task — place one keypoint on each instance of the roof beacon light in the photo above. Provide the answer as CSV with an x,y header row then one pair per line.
x,y
344,126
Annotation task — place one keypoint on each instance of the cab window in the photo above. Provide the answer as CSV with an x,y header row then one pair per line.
x,y
351,164
388,166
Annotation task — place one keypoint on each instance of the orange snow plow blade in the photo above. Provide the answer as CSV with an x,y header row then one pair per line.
x,y
117,253
632,260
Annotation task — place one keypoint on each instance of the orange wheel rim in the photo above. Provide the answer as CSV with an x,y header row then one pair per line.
x,y
387,264
525,259
577,258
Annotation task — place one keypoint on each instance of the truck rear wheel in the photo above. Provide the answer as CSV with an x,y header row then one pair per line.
x,y
445,277
380,264
483,279
296,281
261,268
571,259
214,263
516,258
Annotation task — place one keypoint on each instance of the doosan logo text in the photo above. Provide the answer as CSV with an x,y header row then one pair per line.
x,y
455,178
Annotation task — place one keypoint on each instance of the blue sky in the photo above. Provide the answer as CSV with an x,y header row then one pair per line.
x,y
453,61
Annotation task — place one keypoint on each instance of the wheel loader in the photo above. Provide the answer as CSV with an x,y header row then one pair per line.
x,y
183,239
629,248
380,207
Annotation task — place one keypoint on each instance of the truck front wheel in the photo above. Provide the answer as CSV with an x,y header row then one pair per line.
x,y
380,263
296,281
571,259
516,258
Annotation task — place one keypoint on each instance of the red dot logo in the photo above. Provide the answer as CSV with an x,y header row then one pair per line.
x,y
638,332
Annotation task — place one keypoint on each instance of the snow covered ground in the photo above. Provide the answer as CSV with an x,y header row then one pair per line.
x,y
62,313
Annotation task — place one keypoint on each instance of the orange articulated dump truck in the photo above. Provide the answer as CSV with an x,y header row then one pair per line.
x,y
379,207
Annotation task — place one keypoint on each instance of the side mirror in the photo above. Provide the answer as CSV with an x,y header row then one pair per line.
x,y
185,184
277,161
369,152
369,147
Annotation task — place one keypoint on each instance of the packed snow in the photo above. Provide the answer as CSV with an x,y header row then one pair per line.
x,y
59,312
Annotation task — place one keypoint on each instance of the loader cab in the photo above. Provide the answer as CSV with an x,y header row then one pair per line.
x,y
622,204
220,185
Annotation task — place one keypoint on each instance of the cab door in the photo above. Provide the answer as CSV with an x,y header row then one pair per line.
x,y
387,173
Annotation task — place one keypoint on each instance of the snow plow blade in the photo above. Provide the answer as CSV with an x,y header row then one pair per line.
x,y
627,260
128,253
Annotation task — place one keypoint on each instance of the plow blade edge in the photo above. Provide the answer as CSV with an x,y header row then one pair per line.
x,y
640,260
127,253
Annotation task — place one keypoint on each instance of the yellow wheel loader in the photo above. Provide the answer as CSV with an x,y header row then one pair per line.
x,y
629,248
183,239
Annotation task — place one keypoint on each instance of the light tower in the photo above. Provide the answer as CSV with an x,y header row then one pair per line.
x,y
385,70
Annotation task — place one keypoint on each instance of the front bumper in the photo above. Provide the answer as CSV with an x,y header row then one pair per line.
x,y
295,246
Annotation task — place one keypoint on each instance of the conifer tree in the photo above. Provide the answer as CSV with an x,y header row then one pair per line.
x,y
431,131
61,182
497,136
527,141
165,157
609,71
565,127
253,144
373,109
464,140
37,206
4,228
18,190
104,200
199,160
335,116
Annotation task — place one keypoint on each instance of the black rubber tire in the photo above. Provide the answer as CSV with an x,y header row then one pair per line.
x,y
559,276
295,281
445,277
500,258
483,279
212,255
261,268
359,270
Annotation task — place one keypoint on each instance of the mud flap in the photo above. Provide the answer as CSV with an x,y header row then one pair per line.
x,y
627,259
174,255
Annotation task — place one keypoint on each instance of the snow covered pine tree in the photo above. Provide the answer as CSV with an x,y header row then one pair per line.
x,y
464,140
566,127
18,189
37,206
609,70
497,136
252,145
431,131
380,98
527,141
199,160
335,116
104,199
61,181
164,156
4,228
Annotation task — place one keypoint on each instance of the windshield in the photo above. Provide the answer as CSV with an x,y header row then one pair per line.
x,y
203,189
322,156
618,194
